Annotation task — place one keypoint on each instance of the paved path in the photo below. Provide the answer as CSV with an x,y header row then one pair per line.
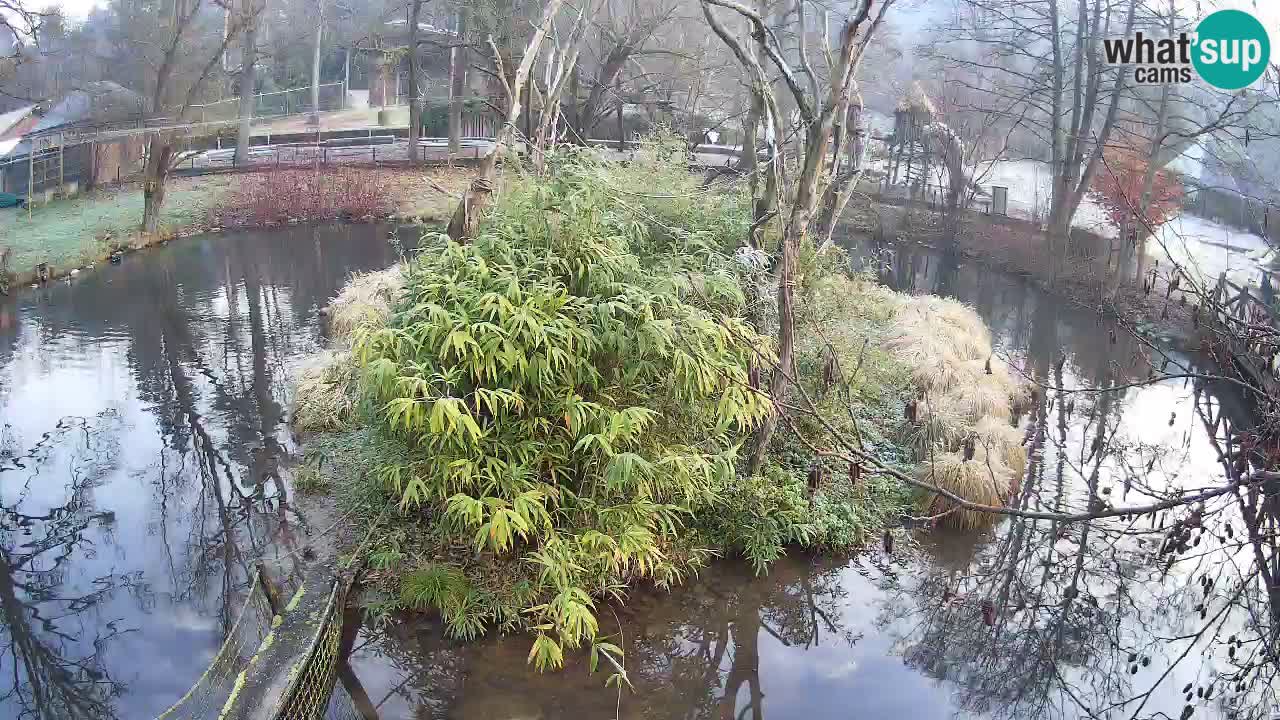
x,y
298,154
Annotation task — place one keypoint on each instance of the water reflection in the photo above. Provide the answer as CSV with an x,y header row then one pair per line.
x,y
143,456
144,466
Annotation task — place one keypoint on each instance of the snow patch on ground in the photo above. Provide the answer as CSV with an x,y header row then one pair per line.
x,y
1207,249
1029,183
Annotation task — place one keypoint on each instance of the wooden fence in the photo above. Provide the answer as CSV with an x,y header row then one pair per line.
x,y
1244,319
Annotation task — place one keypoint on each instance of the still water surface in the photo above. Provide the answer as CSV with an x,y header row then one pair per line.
x,y
145,454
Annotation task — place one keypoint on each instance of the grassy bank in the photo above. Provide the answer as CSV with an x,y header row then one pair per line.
x,y
544,417
74,232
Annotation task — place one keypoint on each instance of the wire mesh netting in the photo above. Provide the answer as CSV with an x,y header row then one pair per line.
x,y
277,666
210,693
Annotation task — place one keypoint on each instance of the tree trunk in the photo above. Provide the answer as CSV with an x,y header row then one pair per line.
x,y
609,74
1149,173
457,84
248,72
786,346
466,217
156,174
315,60
558,74
415,107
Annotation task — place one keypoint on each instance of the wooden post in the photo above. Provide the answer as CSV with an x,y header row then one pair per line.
x,y
62,153
269,589
622,128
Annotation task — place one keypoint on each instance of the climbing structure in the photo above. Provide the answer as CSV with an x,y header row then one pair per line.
x,y
914,112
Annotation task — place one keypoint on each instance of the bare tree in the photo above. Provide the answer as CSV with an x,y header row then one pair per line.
x,y
175,86
799,200
560,66
415,104
478,196
249,10
622,34
457,81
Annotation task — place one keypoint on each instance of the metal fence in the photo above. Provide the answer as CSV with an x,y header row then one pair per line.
x,y
47,170
275,104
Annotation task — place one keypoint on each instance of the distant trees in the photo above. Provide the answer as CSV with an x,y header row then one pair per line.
x,y
623,31
19,26
1042,63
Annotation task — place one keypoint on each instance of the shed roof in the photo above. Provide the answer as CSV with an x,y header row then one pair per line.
x,y
96,102
13,117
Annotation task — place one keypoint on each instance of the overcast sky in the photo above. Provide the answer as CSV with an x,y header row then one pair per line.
x,y
1268,11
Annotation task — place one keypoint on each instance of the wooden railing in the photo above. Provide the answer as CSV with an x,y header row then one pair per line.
x,y
1244,319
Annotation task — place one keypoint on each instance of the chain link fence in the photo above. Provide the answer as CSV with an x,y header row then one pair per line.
x,y
275,104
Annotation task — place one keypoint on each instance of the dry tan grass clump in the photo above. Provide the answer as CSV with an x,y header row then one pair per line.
x,y
367,298
967,396
325,397
1004,441
976,399
931,326
984,480
937,425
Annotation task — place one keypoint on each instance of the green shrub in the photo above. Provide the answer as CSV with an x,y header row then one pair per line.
x,y
557,407
562,406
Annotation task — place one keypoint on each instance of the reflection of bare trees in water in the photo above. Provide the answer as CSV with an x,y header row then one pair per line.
x,y
706,656
206,345
695,654
56,672
1163,614
1237,539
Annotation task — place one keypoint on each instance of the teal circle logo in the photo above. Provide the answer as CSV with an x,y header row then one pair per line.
x,y
1231,49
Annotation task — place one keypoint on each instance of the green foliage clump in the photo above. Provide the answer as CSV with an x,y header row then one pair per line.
x,y
562,406
557,407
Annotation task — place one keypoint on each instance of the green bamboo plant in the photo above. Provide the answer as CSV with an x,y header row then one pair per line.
x,y
565,405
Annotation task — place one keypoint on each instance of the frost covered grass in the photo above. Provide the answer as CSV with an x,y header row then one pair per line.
x,y
366,300
75,231
326,394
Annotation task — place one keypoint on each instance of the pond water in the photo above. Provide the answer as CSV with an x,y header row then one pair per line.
x,y
145,469
142,435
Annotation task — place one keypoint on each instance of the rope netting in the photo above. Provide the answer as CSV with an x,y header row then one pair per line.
x,y
311,682
223,691
207,696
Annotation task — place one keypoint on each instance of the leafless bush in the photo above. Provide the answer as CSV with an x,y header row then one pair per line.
x,y
307,195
